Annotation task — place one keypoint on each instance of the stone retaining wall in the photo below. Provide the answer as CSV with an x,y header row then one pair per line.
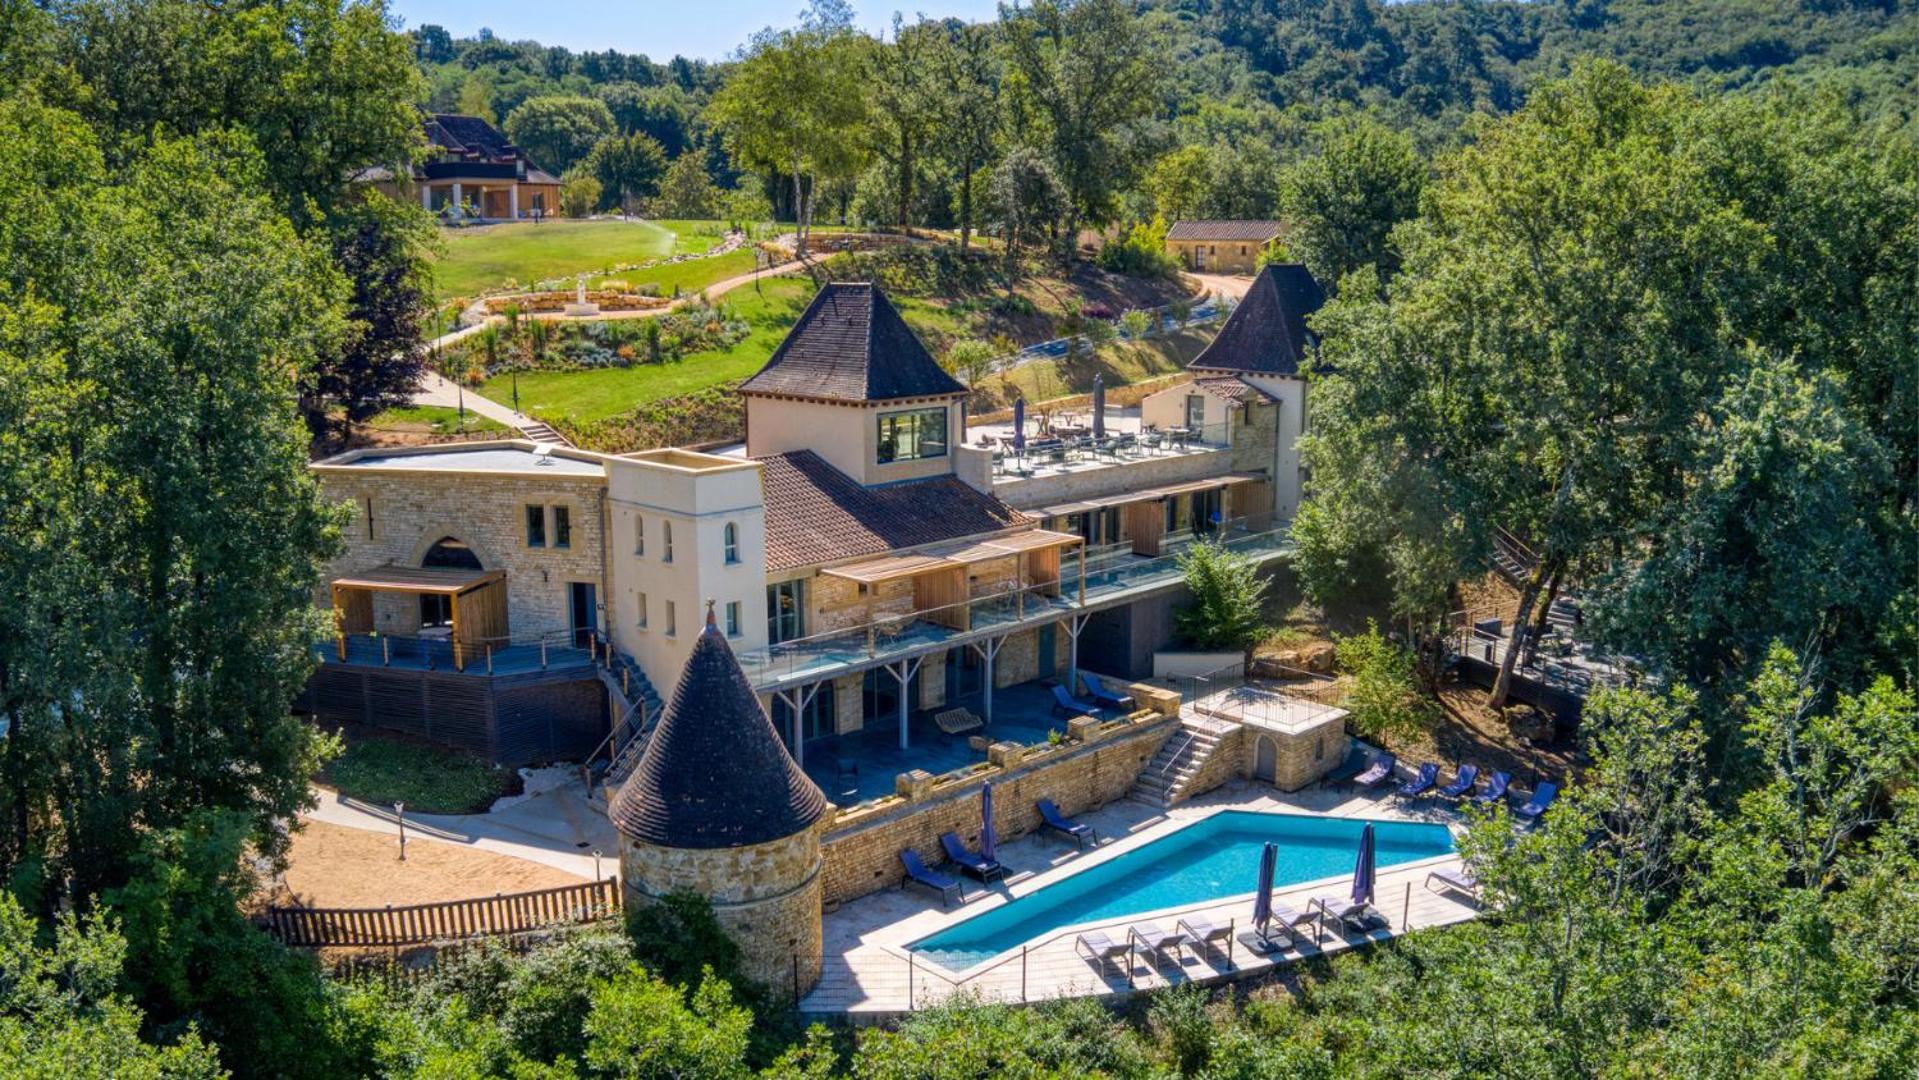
x,y
862,847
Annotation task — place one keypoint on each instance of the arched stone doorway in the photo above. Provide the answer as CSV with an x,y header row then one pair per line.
x,y
1265,759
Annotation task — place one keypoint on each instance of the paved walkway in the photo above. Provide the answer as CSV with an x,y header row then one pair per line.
x,y
552,824
869,974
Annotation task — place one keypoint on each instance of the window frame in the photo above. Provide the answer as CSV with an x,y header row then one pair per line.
x,y
666,540
730,543
535,520
561,531
898,420
732,618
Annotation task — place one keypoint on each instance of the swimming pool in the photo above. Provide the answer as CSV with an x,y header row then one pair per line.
x,y
1211,859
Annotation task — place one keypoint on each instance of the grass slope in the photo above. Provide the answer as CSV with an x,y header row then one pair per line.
x,y
490,256
429,780
595,395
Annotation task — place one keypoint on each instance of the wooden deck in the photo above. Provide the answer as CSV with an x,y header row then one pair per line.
x,y
870,976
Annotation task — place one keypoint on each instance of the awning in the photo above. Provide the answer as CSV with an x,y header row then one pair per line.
x,y
1191,486
1079,506
443,581
1030,540
888,568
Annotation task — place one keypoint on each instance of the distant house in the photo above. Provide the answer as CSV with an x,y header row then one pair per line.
x,y
1227,247
474,173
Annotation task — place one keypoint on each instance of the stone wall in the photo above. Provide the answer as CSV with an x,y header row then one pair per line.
x,y
765,896
1301,757
862,847
410,512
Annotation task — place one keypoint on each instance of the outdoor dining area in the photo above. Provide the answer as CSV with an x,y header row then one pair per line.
x,y
1097,435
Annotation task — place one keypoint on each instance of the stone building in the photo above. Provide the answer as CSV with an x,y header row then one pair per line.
x,y
1221,247
717,807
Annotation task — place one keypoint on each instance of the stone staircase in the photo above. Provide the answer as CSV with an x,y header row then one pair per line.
x,y
542,432
1183,756
641,703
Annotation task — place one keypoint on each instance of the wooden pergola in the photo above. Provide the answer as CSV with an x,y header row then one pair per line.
x,y
476,599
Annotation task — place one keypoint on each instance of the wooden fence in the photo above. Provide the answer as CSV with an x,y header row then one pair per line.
x,y
452,920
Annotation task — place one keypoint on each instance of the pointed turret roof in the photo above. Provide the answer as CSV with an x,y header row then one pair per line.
x,y
1267,334
851,345
714,773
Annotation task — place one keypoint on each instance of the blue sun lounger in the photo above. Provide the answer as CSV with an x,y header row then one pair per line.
x,y
1462,782
1495,789
1421,784
1071,706
1051,818
919,873
1543,797
978,865
1380,773
1104,696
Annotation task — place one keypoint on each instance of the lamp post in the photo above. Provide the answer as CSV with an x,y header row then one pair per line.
x,y
516,389
399,814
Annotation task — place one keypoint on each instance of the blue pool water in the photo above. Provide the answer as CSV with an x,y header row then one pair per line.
x,y
1207,860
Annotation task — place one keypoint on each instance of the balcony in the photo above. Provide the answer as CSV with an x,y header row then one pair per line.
x,y
1111,576
1069,447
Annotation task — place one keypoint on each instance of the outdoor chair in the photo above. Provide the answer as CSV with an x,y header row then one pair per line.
x,y
918,873
1495,790
1460,880
1354,764
1462,782
1102,949
1051,819
1336,912
1154,941
978,865
1380,773
1543,797
958,721
1421,784
1065,704
1205,932
1102,695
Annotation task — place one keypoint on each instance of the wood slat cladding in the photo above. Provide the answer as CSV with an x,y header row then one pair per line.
x,y
509,720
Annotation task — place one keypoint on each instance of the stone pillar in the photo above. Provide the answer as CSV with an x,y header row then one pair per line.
x,y
765,896
513,202
457,200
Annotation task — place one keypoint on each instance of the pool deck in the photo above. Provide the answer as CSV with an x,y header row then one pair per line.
x,y
869,976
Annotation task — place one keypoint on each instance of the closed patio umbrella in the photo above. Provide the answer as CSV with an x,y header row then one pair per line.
x,y
1019,424
986,838
1099,405
1363,869
1263,899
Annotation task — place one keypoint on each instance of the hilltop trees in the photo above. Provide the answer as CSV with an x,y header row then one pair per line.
x,y
1343,201
557,131
627,167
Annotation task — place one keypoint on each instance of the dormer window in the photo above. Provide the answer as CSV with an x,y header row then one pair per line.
x,y
912,436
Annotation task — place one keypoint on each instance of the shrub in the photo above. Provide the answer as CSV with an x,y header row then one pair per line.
x,y
1385,697
579,196
971,361
1228,595
1142,253
1137,324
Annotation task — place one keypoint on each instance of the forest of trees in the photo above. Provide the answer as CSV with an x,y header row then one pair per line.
x,y
1639,280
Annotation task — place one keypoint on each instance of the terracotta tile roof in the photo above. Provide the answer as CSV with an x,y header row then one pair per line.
x,y
1267,333
1257,232
714,773
817,514
1233,389
851,345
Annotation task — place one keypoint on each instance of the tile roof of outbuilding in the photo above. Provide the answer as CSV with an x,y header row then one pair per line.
x,y
817,514
714,773
851,345
1267,334
1232,388
1253,231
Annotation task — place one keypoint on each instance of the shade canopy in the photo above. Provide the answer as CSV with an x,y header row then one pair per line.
x,y
1099,405
988,843
1019,424
1263,896
1363,869
434,580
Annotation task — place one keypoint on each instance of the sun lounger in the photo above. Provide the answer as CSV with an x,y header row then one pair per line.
x,y
1205,931
1421,784
1103,695
1342,912
1289,915
958,721
1462,782
1460,880
1495,789
978,865
1155,941
1543,797
1067,705
1051,818
1380,773
919,873
1354,764
1103,949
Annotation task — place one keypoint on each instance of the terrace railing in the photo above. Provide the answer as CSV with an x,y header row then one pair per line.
x,y
1080,446
473,656
1110,574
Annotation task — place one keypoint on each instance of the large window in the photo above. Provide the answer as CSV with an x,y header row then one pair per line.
x,y
562,527
785,611
535,525
909,436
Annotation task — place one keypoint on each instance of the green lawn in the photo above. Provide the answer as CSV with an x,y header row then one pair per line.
x,y
527,251
690,276
427,779
595,395
433,420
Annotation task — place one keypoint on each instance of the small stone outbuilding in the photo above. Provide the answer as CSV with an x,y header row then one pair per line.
x,y
718,807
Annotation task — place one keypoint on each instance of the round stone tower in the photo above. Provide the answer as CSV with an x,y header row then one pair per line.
x,y
718,807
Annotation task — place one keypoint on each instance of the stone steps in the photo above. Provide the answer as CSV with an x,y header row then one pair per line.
x,y
542,432
1180,758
